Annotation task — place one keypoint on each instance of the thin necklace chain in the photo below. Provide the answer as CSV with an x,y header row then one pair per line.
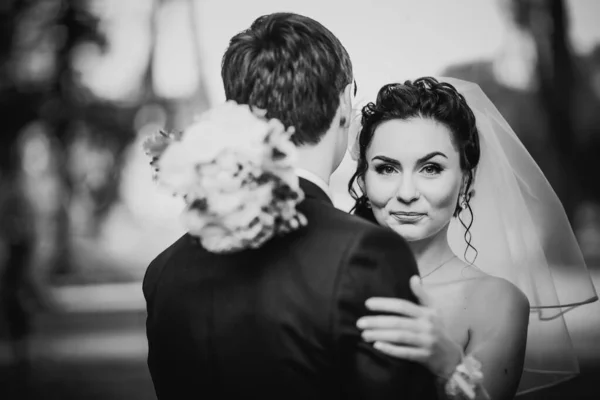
x,y
438,267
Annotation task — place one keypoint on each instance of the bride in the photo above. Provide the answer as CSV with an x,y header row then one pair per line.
x,y
438,164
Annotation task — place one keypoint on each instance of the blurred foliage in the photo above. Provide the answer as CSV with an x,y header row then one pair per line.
x,y
38,43
45,102
556,115
40,86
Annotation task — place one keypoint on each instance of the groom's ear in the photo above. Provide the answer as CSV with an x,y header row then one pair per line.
x,y
346,105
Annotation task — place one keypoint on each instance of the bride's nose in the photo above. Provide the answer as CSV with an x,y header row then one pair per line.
x,y
407,190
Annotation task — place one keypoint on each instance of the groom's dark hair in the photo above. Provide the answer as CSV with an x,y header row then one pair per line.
x,y
293,67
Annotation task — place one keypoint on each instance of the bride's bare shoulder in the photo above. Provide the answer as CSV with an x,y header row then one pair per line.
x,y
493,293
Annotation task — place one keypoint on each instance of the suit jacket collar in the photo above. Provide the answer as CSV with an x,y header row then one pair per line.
x,y
314,178
312,191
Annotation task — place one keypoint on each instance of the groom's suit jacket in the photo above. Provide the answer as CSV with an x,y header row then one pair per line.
x,y
280,321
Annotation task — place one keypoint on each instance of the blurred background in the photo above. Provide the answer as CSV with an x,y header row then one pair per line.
x,y
83,82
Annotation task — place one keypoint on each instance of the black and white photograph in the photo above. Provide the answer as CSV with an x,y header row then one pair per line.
x,y
226,199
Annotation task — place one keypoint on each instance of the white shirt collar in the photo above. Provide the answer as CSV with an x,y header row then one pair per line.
x,y
314,178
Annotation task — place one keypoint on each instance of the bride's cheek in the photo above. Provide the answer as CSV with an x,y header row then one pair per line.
x,y
446,198
380,191
441,194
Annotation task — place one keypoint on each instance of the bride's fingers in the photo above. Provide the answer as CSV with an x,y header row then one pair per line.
x,y
394,306
389,322
395,337
403,352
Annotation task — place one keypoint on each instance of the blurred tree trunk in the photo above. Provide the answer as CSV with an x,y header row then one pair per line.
x,y
200,100
180,110
548,23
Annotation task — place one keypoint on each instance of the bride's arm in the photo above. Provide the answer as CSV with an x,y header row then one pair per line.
x,y
497,341
499,336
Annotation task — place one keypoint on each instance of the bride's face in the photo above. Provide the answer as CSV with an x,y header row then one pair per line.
x,y
414,177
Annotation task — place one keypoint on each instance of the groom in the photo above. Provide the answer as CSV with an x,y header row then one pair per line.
x,y
280,321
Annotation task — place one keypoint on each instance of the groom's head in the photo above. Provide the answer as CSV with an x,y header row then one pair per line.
x,y
293,67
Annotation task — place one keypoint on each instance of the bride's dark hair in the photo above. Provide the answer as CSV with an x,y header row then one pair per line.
x,y
424,98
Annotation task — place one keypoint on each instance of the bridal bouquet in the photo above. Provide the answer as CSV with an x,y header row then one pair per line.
x,y
235,170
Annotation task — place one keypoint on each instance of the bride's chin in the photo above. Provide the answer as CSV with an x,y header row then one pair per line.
x,y
409,232
411,237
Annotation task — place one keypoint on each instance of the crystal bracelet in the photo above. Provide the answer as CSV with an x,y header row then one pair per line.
x,y
465,379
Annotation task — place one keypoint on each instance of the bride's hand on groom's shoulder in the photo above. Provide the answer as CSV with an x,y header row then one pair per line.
x,y
415,333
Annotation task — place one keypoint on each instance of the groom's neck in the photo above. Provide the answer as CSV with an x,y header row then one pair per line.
x,y
317,159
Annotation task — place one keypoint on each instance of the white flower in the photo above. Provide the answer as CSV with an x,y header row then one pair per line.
x,y
177,168
236,171
223,127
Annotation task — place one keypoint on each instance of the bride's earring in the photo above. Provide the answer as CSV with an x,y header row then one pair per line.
x,y
462,202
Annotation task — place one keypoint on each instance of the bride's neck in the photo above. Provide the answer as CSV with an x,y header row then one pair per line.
x,y
432,251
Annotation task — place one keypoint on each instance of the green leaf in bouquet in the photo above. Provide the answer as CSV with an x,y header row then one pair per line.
x,y
156,144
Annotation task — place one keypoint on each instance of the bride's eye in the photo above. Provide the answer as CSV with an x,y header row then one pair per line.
x,y
385,169
432,169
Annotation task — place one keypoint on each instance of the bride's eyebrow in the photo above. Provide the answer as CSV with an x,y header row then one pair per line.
x,y
419,161
430,156
386,159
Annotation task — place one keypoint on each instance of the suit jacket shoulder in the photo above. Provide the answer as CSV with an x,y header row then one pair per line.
x,y
157,265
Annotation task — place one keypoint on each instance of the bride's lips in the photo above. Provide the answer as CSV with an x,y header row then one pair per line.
x,y
407,217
